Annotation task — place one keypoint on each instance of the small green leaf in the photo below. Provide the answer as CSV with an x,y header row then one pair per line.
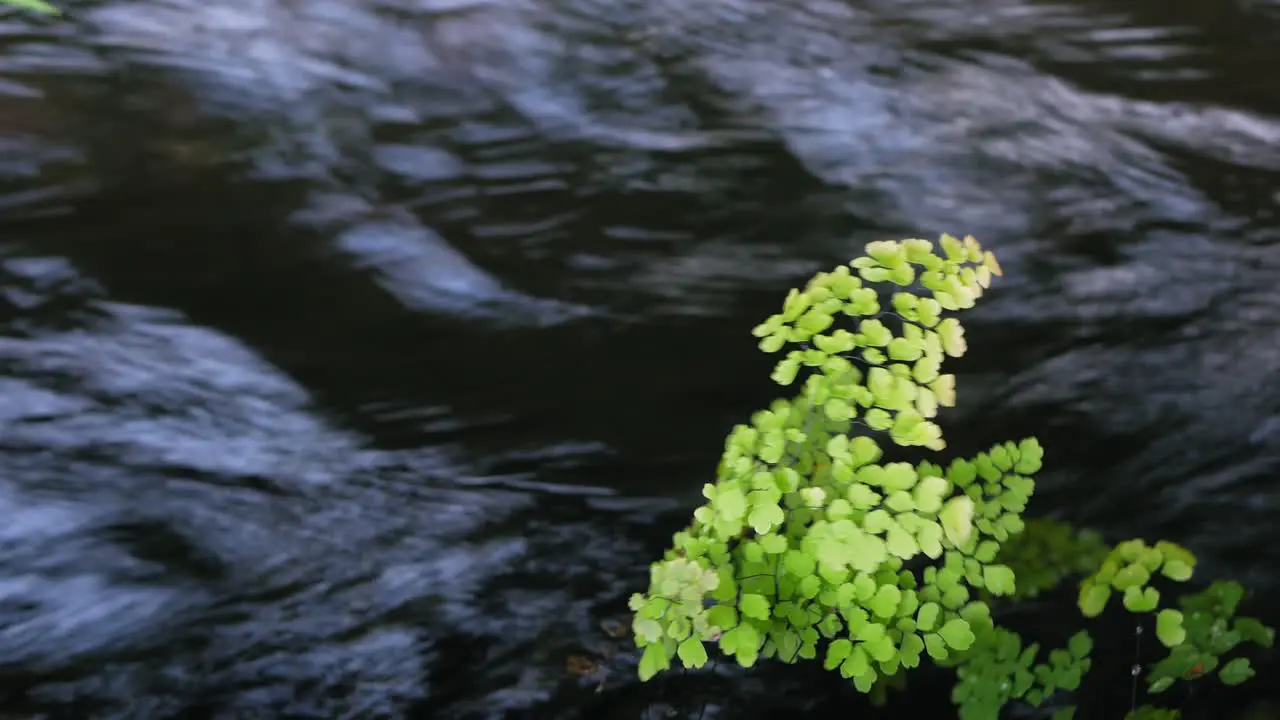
x,y
692,652
882,649
754,606
1236,671
856,664
814,497
929,537
986,551
839,508
1093,599
989,262
1176,570
888,253
838,409
874,333
745,639
647,629
773,544
766,517
927,617
1132,575
998,579
864,587
961,473
1251,630
952,335
1169,628
869,632
953,248
1001,459
900,502
936,646
929,492
1034,697
885,602
837,652
862,497
810,586
903,350
1080,644
901,543
956,517
730,504
898,477
928,311
1030,456
654,661
1141,599
830,625
773,343
785,372
724,617
878,419
814,321
925,370
957,634
1173,551
910,649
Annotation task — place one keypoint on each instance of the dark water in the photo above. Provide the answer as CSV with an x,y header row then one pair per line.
x,y
358,355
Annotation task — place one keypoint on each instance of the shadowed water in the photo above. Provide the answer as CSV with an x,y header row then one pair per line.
x,y
358,356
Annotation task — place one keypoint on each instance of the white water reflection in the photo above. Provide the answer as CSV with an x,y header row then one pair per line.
x,y
160,481
980,143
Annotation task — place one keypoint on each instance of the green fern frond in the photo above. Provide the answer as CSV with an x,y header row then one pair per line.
x,y
810,545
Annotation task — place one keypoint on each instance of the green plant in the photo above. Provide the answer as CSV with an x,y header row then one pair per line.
x,y
811,544
39,6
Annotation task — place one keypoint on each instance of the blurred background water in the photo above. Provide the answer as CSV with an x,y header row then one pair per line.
x,y
358,355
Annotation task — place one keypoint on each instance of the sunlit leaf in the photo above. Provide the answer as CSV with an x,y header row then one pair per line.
x,y
38,6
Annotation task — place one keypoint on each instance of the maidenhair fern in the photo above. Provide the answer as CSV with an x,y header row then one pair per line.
x,y
811,545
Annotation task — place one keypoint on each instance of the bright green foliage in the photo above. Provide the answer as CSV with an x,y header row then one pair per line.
x,y
807,531
38,6
1198,634
1127,569
1001,669
1201,633
812,545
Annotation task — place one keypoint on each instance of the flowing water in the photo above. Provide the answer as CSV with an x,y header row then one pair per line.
x,y
358,355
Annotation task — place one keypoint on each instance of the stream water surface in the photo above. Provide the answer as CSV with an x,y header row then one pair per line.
x,y
357,356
